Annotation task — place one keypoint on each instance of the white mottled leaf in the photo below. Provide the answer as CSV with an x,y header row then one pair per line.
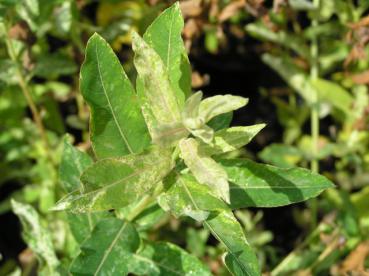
x,y
204,168
214,106
37,238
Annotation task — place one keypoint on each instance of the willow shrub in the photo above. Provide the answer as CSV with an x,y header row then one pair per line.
x,y
159,144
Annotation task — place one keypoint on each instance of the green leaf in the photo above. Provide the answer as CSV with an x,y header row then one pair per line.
x,y
221,121
157,95
230,139
73,163
164,36
214,106
334,94
240,258
107,250
294,42
166,259
204,168
259,185
117,125
114,183
188,197
281,155
293,75
180,198
37,238
304,5
54,65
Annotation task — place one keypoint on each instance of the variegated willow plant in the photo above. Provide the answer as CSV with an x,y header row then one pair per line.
x,y
161,145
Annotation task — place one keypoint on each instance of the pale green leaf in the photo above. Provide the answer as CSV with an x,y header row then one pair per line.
x,y
204,168
294,42
191,111
259,185
230,139
72,165
187,197
114,183
157,94
37,238
334,94
168,134
293,75
166,259
107,250
281,155
117,125
164,36
214,106
304,5
205,133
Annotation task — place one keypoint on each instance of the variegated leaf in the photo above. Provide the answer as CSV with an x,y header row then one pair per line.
x,y
204,168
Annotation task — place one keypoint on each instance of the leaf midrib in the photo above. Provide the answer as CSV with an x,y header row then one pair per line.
x,y
211,228
109,104
110,248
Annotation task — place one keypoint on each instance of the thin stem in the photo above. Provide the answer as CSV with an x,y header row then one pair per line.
x,y
286,261
26,92
314,115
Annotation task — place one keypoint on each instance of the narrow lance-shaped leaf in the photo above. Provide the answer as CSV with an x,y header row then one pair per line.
x,y
204,168
180,198
72,165
164,36
157,93
293,75
115,183
240,259
107,250
165,259
37,238
187,197
294,42
230,139
214,106
259,185
334,94
117,125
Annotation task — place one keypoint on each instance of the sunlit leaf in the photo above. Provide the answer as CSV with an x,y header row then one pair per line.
x,y
259,185
117,125
216,105
157,94
188,197
230,139
114,183
204,168
183,192
107,250
164,36
72,165
166,259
